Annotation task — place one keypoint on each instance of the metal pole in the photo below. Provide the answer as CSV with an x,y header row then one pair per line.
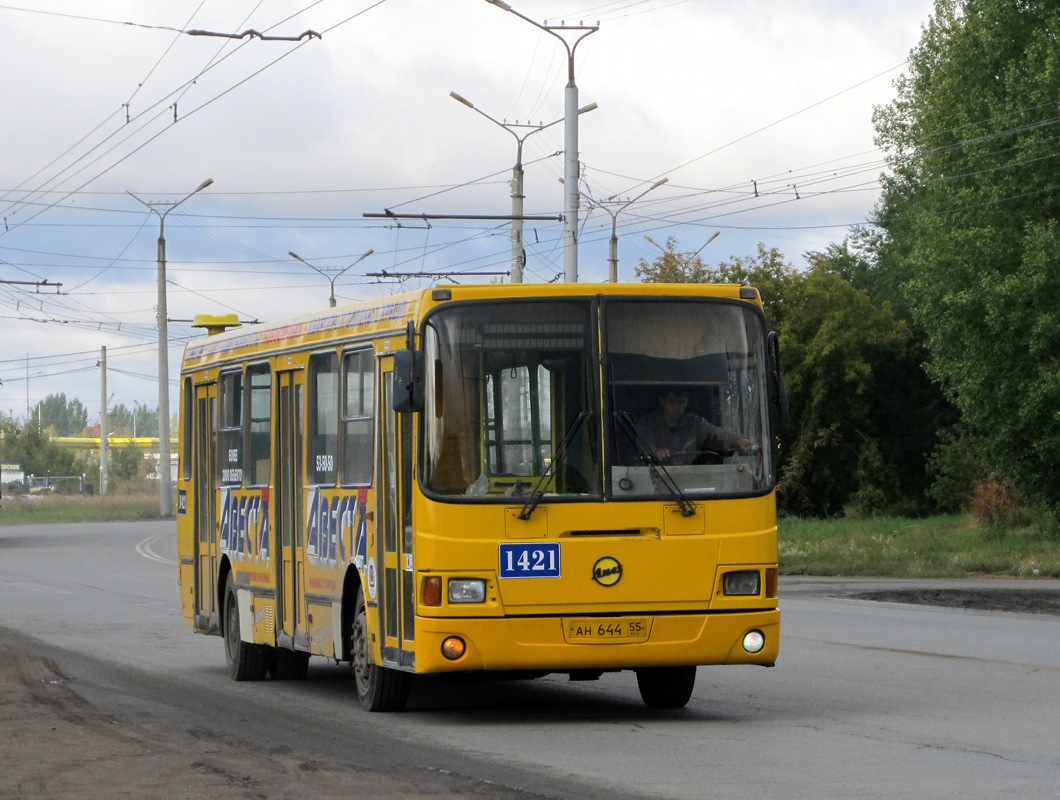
x,y
518,257
327,273
103,444
613,259
571,167
517,216
165,491
165,474
571,170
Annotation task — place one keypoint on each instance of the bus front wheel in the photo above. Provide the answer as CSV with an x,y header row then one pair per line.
x,y
666,687
378,688
246,661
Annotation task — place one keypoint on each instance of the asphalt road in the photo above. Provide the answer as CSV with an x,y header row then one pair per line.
x,y
869,699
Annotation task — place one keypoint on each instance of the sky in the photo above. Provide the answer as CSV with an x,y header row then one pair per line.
x,y
309,116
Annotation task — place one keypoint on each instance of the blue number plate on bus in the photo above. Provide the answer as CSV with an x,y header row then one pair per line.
x,y
523,560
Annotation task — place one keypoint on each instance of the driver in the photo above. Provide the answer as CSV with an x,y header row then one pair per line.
x,y
677,436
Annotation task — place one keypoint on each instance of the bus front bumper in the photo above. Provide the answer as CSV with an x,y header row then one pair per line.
x,y
560,644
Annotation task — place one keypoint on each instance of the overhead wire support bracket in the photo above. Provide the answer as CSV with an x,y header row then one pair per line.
x,y
39,284
425,217
253,34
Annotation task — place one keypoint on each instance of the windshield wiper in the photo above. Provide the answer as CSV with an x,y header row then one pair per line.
x,y
655,466
557,458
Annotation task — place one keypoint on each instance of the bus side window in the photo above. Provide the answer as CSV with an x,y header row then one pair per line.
x,y
323,418
259,419
357,413
230,450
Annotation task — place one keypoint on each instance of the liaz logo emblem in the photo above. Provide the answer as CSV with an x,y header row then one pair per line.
x,y
607,571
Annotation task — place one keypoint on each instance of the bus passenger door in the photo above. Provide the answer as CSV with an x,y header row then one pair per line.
x,y
397,606
290,400
204,481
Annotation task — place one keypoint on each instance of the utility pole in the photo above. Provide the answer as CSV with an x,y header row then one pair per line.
x,y
518,253
103,433
571,167
165,477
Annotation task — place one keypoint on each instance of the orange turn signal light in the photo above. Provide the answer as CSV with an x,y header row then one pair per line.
x,y
432,590
453,647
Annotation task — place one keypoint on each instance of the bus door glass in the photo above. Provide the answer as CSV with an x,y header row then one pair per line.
x,y
204,481
289,529
397,606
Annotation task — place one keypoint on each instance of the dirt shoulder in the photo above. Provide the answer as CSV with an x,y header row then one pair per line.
x,y
1041,601
56,746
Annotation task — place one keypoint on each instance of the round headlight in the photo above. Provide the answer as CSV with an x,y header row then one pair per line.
x,y
754,641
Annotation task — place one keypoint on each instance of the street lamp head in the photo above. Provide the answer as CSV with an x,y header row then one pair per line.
x,y
463,100
500,4
203,185
295,256
588,108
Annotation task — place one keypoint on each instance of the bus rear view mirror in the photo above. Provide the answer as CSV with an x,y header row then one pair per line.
x,y
408,381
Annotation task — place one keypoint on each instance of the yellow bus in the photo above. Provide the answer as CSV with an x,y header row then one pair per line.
x,y
479,479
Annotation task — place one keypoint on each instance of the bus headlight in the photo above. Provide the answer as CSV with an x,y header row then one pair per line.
x,y
466,590
743,583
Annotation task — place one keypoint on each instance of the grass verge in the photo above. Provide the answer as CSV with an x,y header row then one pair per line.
x,y
896,547
75,508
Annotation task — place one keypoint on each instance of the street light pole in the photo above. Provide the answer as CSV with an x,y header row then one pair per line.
x,y
327,273
518,255
165,478
571,168
612,259
687,260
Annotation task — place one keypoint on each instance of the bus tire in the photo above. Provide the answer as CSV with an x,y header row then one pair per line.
x,y
246,661
666,687
378,688
288,665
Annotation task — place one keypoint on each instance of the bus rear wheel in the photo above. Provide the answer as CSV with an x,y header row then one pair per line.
x,y
246,661
666,687
378,688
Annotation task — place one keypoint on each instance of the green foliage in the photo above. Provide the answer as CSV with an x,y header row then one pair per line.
x,y
65,417
969,216
956,467
126,462
37,453
839,450
137,421
673,267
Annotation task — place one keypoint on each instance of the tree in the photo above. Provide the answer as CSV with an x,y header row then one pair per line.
x,y
137,421
65,417
970,216
844,446
37,453
673,267
126,462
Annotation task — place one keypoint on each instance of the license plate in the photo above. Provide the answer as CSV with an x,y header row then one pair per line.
x,y
599,630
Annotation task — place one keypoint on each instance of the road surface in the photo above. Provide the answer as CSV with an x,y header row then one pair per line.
x,y
105,693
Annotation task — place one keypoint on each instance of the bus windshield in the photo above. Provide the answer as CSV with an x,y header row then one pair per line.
x,y
686,387
510,399
515,397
